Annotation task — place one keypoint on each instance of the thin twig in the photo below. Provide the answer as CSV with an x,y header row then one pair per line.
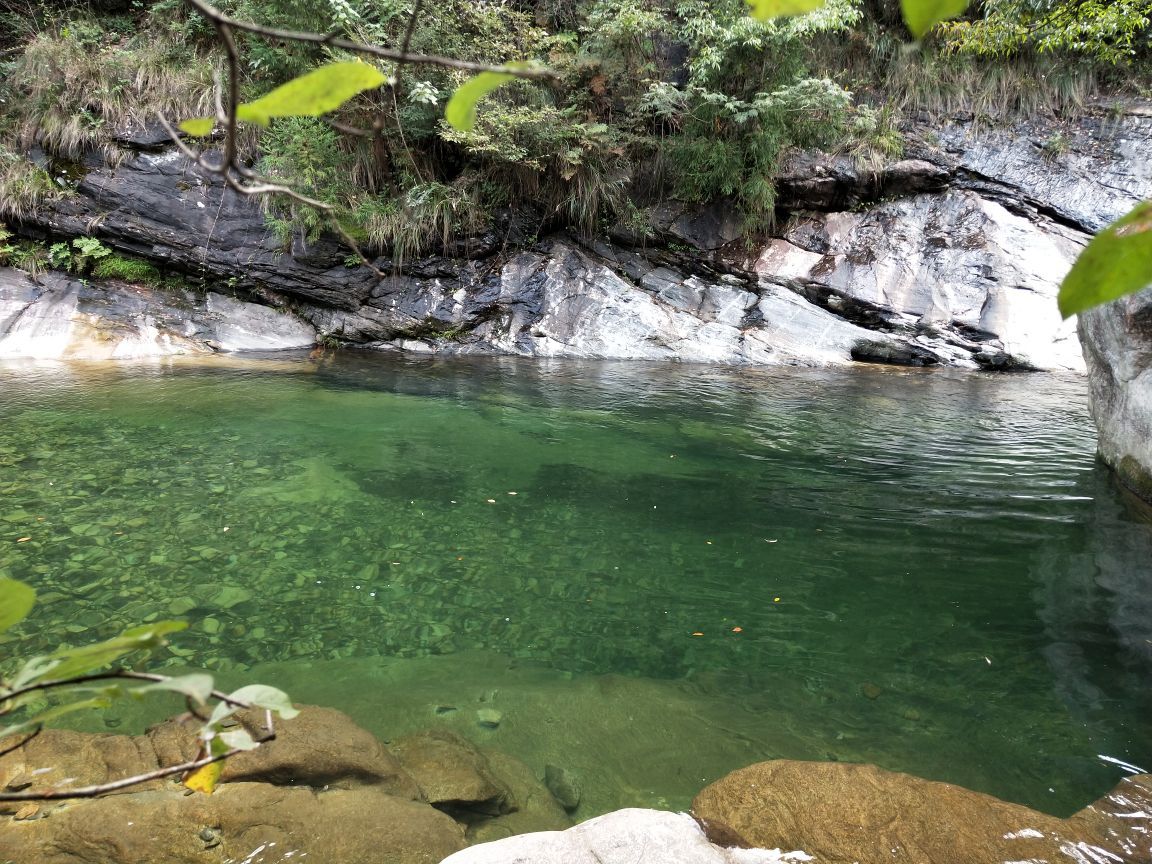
x,y
116,785
106,676
252,189
333,40
20,744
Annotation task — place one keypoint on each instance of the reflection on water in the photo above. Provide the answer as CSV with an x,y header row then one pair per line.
x,y
922,569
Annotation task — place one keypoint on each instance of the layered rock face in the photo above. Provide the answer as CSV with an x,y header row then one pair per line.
x,y
952,256
1118,349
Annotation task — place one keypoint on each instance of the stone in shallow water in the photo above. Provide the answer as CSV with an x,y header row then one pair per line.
x,y
843,813
563,785
489,718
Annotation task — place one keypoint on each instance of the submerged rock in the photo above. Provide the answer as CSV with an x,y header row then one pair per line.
x,y
563,785
841,813
492,793
1117,342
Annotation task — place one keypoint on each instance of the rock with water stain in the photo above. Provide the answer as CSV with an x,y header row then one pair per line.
x,y
860,814
246,822
58,317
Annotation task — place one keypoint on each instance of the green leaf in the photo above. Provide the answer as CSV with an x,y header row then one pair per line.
x,y
922,15
196,686
16,600
34,670
80,661
52,713
198,127
237,739
314,93
258,696
460,112
1117,262
767,9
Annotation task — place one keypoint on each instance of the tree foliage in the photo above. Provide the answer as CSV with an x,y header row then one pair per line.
x,y
1110,31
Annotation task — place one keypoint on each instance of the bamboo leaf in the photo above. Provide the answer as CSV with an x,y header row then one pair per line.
x,y
237,739
198,127
922,15
80,661
312,94
1117,262
764,10
196,686
16,601
52,713
258,696
460,112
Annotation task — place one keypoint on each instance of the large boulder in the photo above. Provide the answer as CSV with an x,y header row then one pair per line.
x,y
860,814
236,823
1117,340
323,786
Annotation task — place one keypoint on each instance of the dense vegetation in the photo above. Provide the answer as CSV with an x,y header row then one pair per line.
x,y
689,99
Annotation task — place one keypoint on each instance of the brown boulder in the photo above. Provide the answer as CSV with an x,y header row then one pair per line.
x,y
453,775
320,747
494,794
534,808
341,826
860,814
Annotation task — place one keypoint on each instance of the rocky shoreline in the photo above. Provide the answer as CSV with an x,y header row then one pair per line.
x,y
328,790
949,256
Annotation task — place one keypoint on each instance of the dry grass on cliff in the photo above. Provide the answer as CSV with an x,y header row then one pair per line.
x,y
943,83
69,96
23,186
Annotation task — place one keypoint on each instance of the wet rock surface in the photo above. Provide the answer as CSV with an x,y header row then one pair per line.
x,y
1118,350
841,813
324,787
950,256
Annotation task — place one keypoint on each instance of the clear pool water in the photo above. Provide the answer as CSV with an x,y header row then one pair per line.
x,y
655,573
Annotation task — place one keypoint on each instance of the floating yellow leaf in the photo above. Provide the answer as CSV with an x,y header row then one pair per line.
x,y
205,778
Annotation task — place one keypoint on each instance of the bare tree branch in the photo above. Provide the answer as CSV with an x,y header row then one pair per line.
x,y
218,18
116,785
107,676
266,734
21,743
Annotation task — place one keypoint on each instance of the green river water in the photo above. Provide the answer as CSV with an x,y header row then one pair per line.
x,y
656,574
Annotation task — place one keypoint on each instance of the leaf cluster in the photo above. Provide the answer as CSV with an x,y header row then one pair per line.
x,y
84,672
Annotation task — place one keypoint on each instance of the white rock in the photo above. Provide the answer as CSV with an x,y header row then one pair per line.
x,y
632,836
